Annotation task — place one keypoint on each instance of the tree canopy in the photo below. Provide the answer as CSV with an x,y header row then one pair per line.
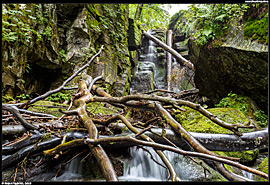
x,y
151,16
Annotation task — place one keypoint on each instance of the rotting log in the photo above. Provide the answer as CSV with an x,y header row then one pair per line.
x,y
214,142
169,59
16,113
171,50
176,150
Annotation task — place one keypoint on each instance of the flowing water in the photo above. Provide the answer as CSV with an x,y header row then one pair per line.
x,y
150,72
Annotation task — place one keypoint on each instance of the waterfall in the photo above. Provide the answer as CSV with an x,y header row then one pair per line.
x,y
140,167
73,171
150,73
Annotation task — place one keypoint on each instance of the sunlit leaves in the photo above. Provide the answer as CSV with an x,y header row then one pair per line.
x,y
152,16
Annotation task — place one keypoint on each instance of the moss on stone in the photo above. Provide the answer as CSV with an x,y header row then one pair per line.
x,y
257,29
37,107
245,156
194,121
97,107
263,167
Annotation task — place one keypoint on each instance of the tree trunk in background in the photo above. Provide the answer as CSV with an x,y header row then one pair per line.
x,y
138,12
169,59
171,50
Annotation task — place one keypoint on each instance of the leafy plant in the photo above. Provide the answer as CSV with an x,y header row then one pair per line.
x,y
59,97
261,118
22,96
152,16
213,20
234,101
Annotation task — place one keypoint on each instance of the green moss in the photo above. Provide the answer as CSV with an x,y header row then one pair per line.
x,y
263,168
96,107
37,107
245,156
194,121
257,29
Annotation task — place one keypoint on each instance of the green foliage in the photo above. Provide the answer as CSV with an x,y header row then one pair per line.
x,y
263,167
6,98
63,55
234,101
59,97
257,29
112,23
153,16
261,118
213,20
19,22
22,96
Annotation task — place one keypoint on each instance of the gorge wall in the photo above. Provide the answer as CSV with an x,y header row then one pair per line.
x,y
234,63
60,38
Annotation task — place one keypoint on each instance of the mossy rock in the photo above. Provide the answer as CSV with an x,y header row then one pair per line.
x,y
97,107
263,167
246,157
194,121
37,107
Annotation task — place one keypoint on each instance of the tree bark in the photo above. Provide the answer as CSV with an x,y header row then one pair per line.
x,y
169,59
138,12
101,156
171,50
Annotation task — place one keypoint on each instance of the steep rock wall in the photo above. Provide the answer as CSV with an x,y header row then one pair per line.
x,y
60,38
234,62
239,65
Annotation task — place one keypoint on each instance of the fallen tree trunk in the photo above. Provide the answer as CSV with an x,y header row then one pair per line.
x,y
170,50
213,142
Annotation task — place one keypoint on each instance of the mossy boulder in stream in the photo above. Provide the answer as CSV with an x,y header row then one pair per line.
x,y
194,121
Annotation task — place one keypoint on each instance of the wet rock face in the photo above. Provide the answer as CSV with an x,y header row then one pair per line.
x,y
221,70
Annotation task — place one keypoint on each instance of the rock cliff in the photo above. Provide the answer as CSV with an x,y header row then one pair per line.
x,y
60,38
233,63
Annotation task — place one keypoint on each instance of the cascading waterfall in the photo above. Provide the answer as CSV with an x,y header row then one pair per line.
x,y
73,171
150,73
140,167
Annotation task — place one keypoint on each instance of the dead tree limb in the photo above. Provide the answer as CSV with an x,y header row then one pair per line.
x,y
101,156
132,139
17,115
195,144
169,59
126,100
171,50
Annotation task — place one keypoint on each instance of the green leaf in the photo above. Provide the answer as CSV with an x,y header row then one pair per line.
x,y
221,17
207,31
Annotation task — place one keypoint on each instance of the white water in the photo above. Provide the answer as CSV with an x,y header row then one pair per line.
x,y
73,171
142,168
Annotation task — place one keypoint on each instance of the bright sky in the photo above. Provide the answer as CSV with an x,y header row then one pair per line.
x,y
176,7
